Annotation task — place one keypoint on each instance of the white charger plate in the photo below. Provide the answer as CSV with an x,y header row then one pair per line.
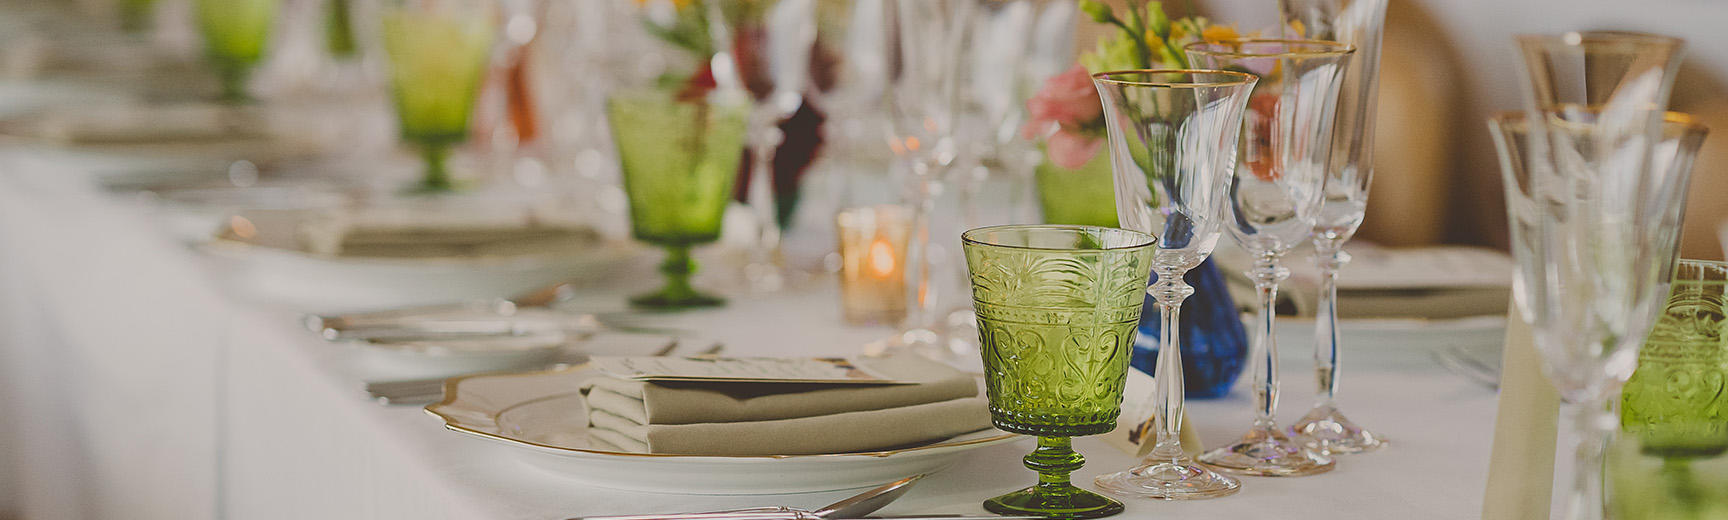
x,y
542,416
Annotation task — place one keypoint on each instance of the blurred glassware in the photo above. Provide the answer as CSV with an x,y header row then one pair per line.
x,y
1673,413
236,34
136,16
1172,139
928,37
773,42
1356,23
438,52
1057,306
1672,404
1275,193
680,139
1594,222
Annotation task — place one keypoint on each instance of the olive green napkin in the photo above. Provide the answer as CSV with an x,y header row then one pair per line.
x,y
715,418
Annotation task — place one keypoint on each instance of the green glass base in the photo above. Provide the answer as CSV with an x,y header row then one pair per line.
x,y
1069,502
670,300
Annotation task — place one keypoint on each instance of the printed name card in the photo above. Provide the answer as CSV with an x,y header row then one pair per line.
x,y
728,369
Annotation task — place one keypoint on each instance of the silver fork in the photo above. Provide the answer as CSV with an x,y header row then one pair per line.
x,y
430,390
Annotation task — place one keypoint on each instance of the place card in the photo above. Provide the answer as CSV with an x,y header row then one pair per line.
x,y
752,370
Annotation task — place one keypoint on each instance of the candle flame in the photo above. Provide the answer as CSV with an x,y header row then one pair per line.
x,y
881,258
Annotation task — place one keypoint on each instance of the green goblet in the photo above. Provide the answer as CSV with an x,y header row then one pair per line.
x,y
235,34
438,53
680,158
1057,308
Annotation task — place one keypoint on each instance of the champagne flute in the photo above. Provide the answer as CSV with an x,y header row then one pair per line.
x,y
1357,23
1173,136
1275,196
1593,222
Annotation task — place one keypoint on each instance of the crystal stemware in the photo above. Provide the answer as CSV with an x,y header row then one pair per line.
x,y
235,34
772,41
1593,222
1173,137
1357,23
1057,307
438,52
1275,195
928,37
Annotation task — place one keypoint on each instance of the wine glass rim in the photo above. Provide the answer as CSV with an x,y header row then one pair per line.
x,y
1114,78
1682,120
974,237
1578,38
1314,48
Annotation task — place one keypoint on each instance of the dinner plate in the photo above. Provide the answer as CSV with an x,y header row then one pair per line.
x,y
542,416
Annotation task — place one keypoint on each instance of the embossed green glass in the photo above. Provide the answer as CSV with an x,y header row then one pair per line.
x,y
235,34
438,54
1057,309
1669,463
680,158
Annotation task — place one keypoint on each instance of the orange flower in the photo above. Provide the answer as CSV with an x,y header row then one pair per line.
x,y
1215,33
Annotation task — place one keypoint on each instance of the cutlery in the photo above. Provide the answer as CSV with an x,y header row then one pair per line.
x,y
853,507
542,297
1461,362
417,392
482,328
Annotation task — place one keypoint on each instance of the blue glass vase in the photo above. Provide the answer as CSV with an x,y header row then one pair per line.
x,y
1214,345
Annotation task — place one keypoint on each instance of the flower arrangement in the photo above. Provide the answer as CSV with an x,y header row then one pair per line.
x,y
1066,111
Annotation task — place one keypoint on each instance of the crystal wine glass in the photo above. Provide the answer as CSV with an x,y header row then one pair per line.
x,y
235,33
438,52
1057,307
928,36
1357,23
1593,222
1275,196
772,42
1173,137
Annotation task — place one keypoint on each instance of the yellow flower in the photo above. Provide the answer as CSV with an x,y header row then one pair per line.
x,y
1298,29
1219,33
680,4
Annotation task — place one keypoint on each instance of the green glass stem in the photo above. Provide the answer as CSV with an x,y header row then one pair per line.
x,y
233,77
1054,496
437,176
339,30
135,15
677,293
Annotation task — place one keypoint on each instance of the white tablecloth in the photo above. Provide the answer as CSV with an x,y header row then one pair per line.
x,y
135,388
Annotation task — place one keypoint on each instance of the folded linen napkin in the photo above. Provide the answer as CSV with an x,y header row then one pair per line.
x,y
670,402
847,432
784,418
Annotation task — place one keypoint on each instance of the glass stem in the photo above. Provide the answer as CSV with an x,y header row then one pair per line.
x,y
1054,460
437,176
923,303
1266,275
233,77
677,267
1593,421
767,139
1170,291
1330,258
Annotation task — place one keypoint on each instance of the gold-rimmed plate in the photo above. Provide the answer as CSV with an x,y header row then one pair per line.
x,y
542,415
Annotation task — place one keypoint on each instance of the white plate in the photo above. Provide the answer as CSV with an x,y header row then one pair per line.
x,y
541,414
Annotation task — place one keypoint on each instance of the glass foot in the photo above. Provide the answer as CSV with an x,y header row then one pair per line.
x,y
1267,452
1180,479
1326,429
670,301
1073,503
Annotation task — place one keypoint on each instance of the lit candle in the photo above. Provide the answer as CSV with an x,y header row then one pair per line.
x,y
873,243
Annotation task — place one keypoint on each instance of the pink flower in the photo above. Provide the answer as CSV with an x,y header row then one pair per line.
x,y
1067,100
1071,150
